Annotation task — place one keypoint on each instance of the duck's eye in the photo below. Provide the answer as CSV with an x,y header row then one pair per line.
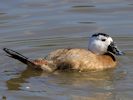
x,y
103,39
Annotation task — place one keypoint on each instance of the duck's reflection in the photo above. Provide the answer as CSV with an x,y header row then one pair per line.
x,y
103,79
15,83
96,96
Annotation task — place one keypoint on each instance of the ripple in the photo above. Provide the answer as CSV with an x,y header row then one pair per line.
x,y
34,5
87,22
83,6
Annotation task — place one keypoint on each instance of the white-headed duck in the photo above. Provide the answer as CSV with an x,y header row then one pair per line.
x,y
99,56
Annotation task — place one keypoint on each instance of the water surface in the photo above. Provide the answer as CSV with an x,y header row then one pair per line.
x,y
36,27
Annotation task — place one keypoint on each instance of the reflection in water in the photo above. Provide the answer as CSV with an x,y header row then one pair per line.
x,y
97,96
103,80
15,83
4,98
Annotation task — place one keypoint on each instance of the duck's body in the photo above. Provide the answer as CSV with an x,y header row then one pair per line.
x,y
81,60
74,59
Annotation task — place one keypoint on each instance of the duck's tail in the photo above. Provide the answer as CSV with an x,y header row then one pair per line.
x,y
18,56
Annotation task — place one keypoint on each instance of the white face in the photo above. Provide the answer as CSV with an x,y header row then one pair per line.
x,y
99,43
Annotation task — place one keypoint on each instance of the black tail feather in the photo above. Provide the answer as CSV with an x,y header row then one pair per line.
x,y
18,56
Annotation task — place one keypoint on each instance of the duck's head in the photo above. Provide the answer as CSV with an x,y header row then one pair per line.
x,y
102,43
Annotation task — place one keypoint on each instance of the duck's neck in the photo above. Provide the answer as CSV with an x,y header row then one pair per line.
x,y
111,55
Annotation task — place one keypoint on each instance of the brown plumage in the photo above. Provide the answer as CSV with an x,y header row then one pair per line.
x,y
80,60
98,57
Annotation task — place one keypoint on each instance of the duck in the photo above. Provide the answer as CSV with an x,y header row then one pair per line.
x,y
99,56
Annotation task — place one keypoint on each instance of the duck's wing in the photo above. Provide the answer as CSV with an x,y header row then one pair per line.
x,y
77,59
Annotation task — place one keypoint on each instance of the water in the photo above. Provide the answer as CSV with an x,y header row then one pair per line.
x,y
36,27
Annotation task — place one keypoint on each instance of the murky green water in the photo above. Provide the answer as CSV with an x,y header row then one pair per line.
x,y
36,27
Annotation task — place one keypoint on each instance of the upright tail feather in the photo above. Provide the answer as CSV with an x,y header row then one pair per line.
x,y
18,56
